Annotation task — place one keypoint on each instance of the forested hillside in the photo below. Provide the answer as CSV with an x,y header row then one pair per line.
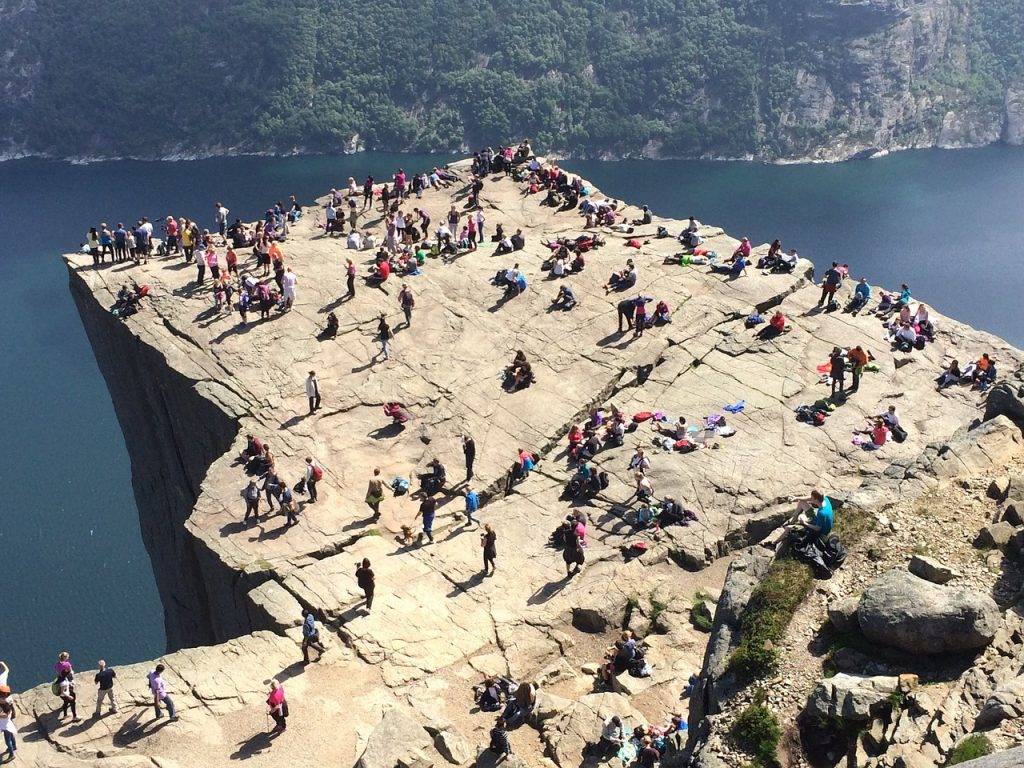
x,y
764,78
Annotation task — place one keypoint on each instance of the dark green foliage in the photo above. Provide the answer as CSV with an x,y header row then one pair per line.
x,y
975,745
689,77
757,731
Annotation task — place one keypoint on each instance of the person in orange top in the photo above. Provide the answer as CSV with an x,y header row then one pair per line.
x,y
859,358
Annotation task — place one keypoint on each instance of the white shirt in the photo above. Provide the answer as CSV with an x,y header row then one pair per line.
x,y
311,386
479,219
558,268
354,241
289,280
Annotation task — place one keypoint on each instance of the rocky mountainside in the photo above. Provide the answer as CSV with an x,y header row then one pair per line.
x,y
765,79
395,686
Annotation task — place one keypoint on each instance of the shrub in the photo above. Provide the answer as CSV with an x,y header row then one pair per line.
x,y
975,745
757,731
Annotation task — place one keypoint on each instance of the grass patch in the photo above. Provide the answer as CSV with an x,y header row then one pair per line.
x,y
767,615
372,532
757,731
701,616
975,745
657,608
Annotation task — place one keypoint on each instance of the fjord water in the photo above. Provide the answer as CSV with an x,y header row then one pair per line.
x,y
77,576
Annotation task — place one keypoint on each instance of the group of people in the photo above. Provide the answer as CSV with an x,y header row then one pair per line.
x,y
260,463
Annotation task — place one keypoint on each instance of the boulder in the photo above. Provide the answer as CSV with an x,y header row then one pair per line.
x,y
453,747
852,697
842,614
1013,512
999,487
572,729
995,535
1005,703
274,607
902,611
1011,758
930,569
398,736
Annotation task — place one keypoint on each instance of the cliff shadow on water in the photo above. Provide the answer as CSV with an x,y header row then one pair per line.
x,y
173,434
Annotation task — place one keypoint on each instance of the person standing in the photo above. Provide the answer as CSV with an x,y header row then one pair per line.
x,y
158,686
220,217
313,392
251,494
287,502
375,493
469,450
366,581
472,505
5,671
66,686
383,334
288,283
830,284
406,301
499,739
105,680
278,706
488,540
10,730
427,509
310,637
837,372
858,359
314,474
350,277
367,192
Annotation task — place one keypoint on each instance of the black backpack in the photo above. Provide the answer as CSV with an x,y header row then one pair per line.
x,y
602,480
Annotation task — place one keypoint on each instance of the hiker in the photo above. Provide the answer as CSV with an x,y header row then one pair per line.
x,y
287,501
820,522
9,729
434,481
829,285
384,333
427,509
613,737
572,553
644,491
950,376
522,702
499,739
469,451
858,360
366,581
251,494
314,473
313,392
278,707
639,461
622,280
472,505
861,295
488,541
879,435
406,301
68,695
837,370
158,687
648,756
617,660
310,637
984,371
350,277
566,298
375,493
105,680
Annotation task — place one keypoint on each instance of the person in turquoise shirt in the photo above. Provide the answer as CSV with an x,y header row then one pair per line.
x,y
861,294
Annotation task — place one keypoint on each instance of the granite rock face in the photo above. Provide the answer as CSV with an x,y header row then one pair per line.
x,y
437,623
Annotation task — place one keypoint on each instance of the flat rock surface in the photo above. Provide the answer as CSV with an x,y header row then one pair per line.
x,y
436,621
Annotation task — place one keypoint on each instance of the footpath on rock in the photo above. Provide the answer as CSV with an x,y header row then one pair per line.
x,y
189,382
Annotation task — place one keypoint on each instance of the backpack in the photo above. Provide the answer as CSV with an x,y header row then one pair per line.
x,y
602,480
318,474
642,416
818,418
899,434
399,486
685,446
919,342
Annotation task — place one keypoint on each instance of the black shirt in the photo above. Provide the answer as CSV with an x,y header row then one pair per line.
x,y
648,757
105,678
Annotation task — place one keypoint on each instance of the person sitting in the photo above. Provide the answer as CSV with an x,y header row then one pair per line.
x,y
949,376
578,263
689,237
617,662
354,241
734,270
770,259
661,314
433,482
923,323
253,449
520,703
504,246
518,240
905,338
380,271
861,296
559,267
645,216
615,434
332,326
676,431
786,262
646,515
575,440
565,299
777,321
613,738
623,280
904,299
984,372
742,251
590,448
821,521
487,695
879,435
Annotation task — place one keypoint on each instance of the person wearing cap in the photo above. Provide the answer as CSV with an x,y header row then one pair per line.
x,y
251,494
313,391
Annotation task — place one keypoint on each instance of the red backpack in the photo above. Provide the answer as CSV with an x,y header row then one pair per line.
x,y
317,474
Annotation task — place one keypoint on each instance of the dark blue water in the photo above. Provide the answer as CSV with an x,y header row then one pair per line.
x,y
76,574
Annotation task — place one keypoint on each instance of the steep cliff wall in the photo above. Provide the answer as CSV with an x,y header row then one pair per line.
x,y
173,434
